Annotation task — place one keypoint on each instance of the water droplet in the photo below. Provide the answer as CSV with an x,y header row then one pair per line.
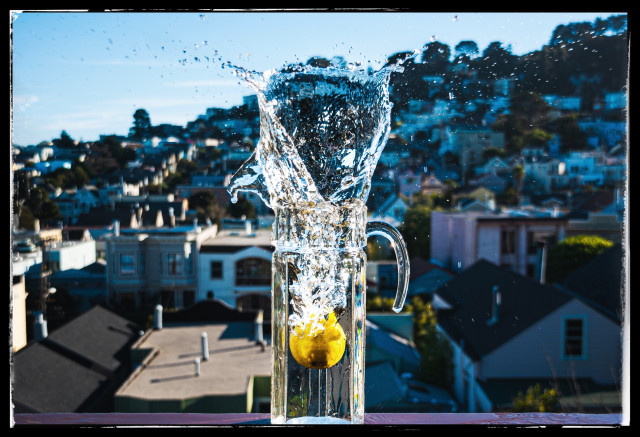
x,y
433,38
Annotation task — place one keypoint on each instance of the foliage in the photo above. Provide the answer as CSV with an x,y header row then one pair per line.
x,y
65,141
206,205
379,249
242,208
415,230
434,349
141,128
41,206
525,121
573,252
572,138
537,400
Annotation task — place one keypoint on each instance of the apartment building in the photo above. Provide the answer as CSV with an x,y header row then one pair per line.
x,y
458,240
154,264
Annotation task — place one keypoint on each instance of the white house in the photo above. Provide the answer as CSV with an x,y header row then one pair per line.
x,y
235,267
546,173
585,167
392,210
563,103
615,100
509,333
72,203
66,255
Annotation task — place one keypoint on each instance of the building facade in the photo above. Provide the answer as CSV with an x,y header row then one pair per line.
x,y
235,267
154,265
458,240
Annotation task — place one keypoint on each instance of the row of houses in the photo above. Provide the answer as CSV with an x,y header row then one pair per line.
x,y
507,333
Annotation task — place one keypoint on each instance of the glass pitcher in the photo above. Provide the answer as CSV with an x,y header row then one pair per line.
x,y
318,310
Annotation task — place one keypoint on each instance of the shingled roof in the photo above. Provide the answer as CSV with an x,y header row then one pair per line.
x,y
599,282
77,368
523,302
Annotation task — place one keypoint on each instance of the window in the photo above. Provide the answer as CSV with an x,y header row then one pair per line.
x,y
216,269
127,264
174,264
508,242
574,338
253,271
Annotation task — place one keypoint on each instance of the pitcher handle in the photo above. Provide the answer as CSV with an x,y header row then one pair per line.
x,y
402,256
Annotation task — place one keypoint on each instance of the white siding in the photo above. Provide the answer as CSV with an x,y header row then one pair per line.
x,y
537,352
225,288
489,243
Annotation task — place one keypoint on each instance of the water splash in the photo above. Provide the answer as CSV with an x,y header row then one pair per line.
x,y
322,131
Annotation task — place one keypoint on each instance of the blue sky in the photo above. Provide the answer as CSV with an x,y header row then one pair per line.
x,y
87,73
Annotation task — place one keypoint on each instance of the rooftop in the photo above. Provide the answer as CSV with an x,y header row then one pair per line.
x,y
234,357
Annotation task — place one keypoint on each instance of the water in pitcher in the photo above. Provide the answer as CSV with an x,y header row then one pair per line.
x,y
322,131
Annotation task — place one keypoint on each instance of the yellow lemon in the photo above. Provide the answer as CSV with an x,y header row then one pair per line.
x,y
321,349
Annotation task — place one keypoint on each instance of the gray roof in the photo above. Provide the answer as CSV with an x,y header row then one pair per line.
x,y
599,282
45,381
77,367
98,335
524,301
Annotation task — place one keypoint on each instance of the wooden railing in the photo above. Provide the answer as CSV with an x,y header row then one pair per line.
x,y
262,419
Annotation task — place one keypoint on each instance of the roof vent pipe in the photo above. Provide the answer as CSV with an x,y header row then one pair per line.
x,y
205,346
172,218
40,331
541,266
496,300
157,320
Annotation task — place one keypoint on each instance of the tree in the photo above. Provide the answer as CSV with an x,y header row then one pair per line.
x,y
242,208
41,207
573,252
518,177
436,55
435,351
468,48
141,125
206,205
415,230
571,136
496,62
527,111
65,141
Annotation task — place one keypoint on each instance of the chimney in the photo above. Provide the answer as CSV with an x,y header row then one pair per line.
x,y
496,300
541,266
247,227
157,320
39,326
116,228
36,226
258,326
205,346
172,218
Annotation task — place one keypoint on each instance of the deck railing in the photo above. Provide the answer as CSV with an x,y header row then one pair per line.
x,y
262,419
